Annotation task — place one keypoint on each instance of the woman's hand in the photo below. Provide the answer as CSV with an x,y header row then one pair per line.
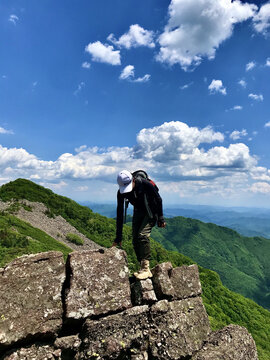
x,y
117,244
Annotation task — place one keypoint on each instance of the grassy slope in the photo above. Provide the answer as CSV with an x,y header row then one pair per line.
x,y
223,306
21,238
242,262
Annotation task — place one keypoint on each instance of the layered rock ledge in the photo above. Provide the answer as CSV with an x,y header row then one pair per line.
x,y
89,308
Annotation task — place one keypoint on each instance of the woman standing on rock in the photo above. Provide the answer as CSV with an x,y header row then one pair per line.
x,y
143,194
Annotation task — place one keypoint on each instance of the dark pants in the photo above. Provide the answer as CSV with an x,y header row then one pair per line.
x,y
142,225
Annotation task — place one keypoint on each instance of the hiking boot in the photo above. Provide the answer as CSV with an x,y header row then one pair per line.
x,y
144,272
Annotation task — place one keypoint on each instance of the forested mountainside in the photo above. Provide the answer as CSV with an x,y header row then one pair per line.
x,y
242,262
18,237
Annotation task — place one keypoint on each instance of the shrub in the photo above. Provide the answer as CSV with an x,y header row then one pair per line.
x,y
74,239
9,239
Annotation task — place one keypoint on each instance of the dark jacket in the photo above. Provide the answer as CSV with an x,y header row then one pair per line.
x,y
145,198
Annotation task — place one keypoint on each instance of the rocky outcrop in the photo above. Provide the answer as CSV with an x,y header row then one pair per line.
x,y
178,328
94,311
230,343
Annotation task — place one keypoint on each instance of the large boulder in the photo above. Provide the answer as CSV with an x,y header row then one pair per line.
x,y
116,336
161,281
230,343
185,281
99,283
176,283
30,297
178,328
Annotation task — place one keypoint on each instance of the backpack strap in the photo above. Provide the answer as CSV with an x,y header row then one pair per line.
x,y
126,207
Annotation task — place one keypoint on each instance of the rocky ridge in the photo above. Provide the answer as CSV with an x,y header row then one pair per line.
x,y
57,227
89,308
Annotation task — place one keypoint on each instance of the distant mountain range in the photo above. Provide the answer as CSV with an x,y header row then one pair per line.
x,y
246,221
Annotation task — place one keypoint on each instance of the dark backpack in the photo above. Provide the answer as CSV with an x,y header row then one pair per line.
x,y
137,175
143,175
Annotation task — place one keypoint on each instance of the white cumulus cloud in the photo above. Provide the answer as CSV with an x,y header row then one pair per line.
x,y
243,83
186,86
170,140
251,65
128,73
143,79
235,135
237,107
261,173
103,53
217,86
260,187
257,97
5,131
183,159
196,29
86,65
135,37
267,124
261,21
13,19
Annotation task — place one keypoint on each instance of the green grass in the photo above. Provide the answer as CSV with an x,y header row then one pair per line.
x,y
223,306
75,239
20,238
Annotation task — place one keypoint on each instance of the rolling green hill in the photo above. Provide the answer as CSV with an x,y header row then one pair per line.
x,y
223,306
242,262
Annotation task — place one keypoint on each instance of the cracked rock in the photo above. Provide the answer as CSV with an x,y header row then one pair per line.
x,y
30,297
99,283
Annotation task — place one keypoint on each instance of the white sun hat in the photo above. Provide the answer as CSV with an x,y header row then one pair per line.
x,y
124,180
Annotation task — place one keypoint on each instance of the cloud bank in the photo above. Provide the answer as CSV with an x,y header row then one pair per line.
x,y
183,159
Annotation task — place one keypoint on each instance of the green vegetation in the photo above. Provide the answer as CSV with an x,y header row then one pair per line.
x,y
242,262
223,306
10,238
74,239
19,238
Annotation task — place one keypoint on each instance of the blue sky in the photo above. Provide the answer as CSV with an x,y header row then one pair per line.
x,y
180,89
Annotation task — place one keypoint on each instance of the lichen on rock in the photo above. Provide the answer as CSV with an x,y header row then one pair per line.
x,y
99,283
